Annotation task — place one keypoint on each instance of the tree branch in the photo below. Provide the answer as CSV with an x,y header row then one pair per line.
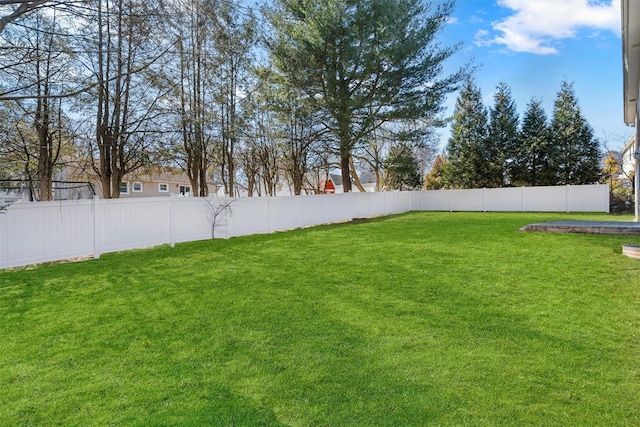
x,y
23,8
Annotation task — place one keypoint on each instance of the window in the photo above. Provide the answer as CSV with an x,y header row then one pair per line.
x,y
124,187
163,188
185,190
137,187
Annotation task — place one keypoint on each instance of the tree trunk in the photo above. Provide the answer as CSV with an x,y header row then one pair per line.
x,y
344,166
345,152
44,172
354,175
297,178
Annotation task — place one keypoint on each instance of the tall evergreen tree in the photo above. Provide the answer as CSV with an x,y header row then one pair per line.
x,y
366,63
436,179
503,136
401,169
532,166
466,148
575,153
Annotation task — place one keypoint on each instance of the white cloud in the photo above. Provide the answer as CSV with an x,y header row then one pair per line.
x,y
537,25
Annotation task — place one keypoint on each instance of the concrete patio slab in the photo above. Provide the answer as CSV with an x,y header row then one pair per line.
x,y
586,227
631,251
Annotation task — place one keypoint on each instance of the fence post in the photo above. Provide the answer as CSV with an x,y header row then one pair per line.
x,y
385,205
566,197
172,214
484,199
522,196
268,216
96,222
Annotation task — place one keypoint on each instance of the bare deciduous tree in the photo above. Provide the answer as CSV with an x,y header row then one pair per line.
x,y
127,41
39,64
234,44
218,210
194,27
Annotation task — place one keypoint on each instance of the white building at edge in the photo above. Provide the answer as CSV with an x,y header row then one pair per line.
x,y
631,71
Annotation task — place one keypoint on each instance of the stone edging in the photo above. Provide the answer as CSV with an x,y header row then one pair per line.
x,y
631,251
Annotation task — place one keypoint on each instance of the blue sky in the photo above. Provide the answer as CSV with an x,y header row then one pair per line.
x,y
534,45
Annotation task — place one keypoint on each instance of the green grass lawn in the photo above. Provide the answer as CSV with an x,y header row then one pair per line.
x,y
409,320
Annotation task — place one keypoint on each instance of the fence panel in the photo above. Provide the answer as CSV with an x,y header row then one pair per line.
x,y
384,204
545,199
416,200
362,205
588,198
339,207
133,223
503,199
284,213
468,200
315,210
192,218
403,203
48,231
248,216
436,200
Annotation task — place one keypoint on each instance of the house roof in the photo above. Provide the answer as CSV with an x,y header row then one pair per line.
x,y
368,177
177,177
336,178
365,178
631,58
630,145
173,176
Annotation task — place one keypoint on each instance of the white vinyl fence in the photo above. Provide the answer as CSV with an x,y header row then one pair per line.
x,y
49,231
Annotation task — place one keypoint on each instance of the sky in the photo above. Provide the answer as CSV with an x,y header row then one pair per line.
x,y
535,45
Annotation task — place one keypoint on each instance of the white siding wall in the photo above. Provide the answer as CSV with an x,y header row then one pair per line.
x,y
48,231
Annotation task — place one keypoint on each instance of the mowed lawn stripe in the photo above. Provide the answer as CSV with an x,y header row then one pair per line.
x,y
413,319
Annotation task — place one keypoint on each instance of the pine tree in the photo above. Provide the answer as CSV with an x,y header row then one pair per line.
x,y
575,153
401,169
366,64
466,148
532,166
503,137
436,179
